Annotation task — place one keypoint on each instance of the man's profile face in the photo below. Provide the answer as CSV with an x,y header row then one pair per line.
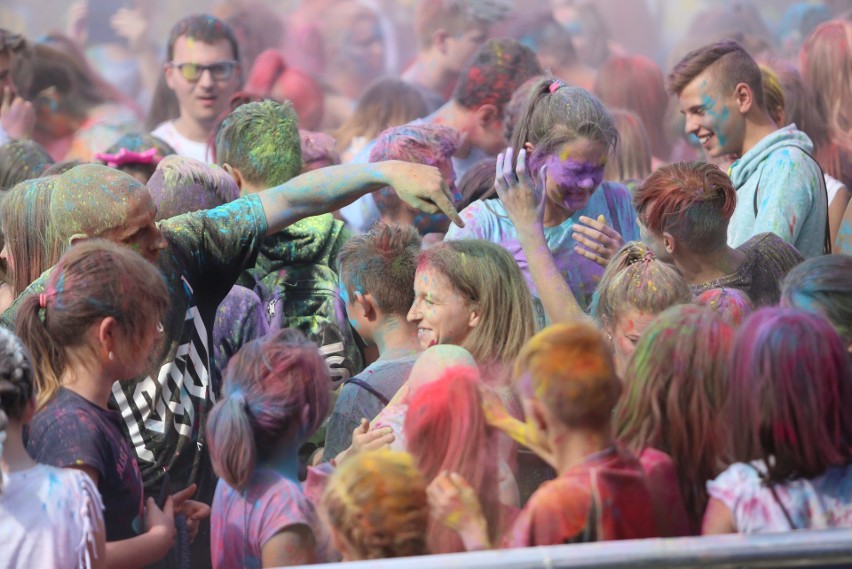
x,y
712,116
203,98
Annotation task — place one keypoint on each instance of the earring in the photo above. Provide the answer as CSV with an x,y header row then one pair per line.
x,y
111,357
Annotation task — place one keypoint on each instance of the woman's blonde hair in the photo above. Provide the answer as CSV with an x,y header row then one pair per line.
x,y
376,502
487,276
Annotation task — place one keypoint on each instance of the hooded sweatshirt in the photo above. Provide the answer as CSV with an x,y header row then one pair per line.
x,y
791,201
296,280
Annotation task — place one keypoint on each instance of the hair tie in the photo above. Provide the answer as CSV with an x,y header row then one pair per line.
x,y
42,300
126,156
556,85
646,257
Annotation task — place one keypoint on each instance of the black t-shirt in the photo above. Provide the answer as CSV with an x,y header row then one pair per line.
x,y
165,412
71,431
768,259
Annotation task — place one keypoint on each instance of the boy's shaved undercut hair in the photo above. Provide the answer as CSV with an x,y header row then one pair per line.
x,y
730,63
382,263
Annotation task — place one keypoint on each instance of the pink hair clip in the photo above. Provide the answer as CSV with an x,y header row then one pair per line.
x,y
556,85
125,157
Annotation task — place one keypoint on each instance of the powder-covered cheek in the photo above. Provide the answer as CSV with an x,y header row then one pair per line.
x,y
569,174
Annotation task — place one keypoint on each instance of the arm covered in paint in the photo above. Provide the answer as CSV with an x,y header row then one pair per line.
x,y
524,202
788,189
329,189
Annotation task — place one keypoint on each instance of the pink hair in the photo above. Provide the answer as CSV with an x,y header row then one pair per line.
x,y
276,389
445,430
791,391
270,70
732,304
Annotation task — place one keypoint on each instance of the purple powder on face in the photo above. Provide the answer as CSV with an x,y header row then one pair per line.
x,y
573,174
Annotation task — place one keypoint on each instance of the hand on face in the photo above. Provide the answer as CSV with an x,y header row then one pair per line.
x,y
521,196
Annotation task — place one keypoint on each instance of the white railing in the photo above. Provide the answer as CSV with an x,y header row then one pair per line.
x,y
791,549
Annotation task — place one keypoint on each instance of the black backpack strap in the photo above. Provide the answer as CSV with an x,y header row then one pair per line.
x,y
827,243
364,385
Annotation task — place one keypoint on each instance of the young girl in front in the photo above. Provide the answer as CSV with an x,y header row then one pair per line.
x,y
790,395
275,396
94,325
49,517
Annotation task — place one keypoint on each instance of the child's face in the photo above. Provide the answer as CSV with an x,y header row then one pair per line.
x,y
574,172
442,315
625,335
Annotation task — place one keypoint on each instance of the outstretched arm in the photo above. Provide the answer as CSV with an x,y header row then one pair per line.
x,y
329,189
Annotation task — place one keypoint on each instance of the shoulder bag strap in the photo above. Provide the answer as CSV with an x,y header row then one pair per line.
x,y
366,386
771,486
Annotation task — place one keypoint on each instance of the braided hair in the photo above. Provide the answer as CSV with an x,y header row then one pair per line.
x,y
16,382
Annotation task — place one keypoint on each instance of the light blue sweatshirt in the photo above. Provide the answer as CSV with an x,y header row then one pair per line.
x,y
791,201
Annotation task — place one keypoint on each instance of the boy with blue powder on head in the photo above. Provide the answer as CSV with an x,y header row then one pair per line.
x,y
377,283
779,184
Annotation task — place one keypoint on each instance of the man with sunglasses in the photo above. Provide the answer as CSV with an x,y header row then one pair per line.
x,y
17,116
203,72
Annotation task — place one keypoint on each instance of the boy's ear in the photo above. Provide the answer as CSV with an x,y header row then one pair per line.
x,y
536,414
439,40
235,174
485,114
367,304
745,97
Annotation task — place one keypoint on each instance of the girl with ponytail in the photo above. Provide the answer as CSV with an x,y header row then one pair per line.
x,y
49,517
275,395
97,323
559,150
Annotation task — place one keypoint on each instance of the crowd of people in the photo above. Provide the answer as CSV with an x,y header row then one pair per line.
x,y
384,279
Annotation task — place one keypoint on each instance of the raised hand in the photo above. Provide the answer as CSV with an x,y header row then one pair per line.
x,y
520,194
16,115
453,502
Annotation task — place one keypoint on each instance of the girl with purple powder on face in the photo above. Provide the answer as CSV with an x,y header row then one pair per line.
x,y
562,140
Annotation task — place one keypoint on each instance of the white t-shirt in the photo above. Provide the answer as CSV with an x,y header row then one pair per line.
x,y
182,145
48,516
832,186
819,503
